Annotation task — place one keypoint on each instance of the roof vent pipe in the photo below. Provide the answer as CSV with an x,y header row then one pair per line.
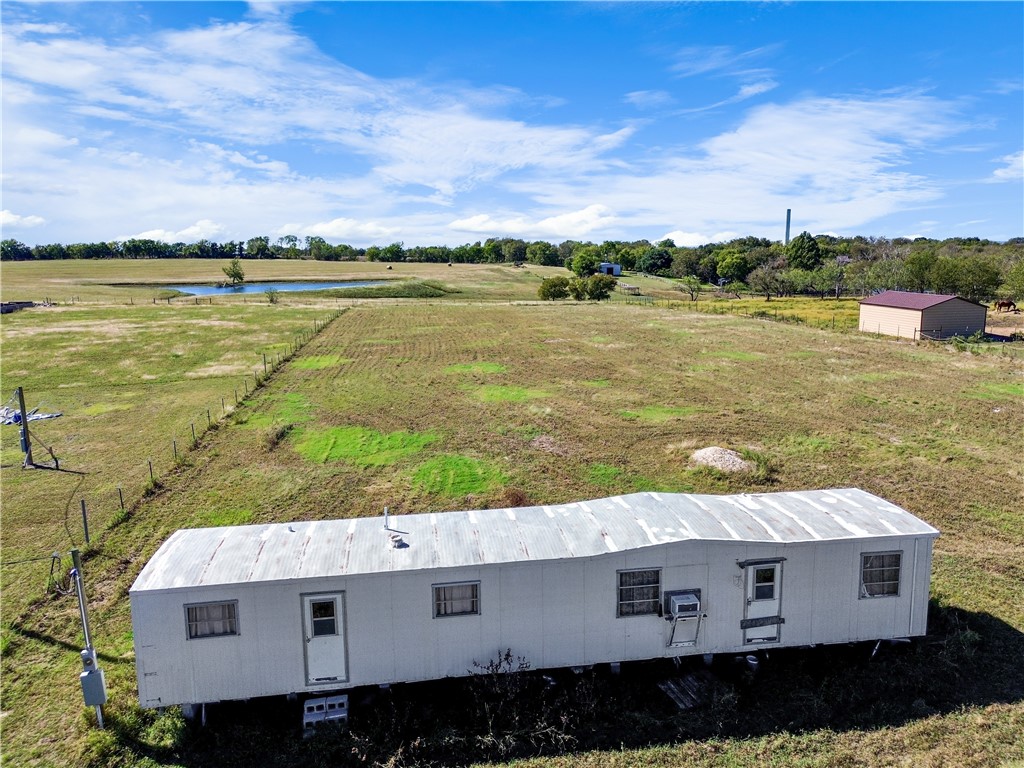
x,y
386,525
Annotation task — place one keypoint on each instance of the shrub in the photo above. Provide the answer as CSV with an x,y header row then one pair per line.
x,y
600,287
276,434
553,288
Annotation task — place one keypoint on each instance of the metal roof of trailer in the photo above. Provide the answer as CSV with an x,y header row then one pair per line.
x,y
283,551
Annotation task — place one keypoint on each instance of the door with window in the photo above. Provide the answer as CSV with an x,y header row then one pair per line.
x,y
762,618
323,619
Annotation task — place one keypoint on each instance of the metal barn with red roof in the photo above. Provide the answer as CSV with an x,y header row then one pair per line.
x,y
921,315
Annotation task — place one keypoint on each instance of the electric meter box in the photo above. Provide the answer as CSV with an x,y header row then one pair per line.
x,y
94,688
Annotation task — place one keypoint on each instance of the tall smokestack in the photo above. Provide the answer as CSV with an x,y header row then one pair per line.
x,y
789,213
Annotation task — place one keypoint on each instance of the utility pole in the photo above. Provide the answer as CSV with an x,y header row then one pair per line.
x,y
94,685
26,442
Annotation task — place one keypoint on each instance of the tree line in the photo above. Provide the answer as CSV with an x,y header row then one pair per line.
x,y
825,265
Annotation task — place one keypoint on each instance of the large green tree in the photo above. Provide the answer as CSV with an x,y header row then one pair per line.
x,y
803,252
1013,287
691,285
14,250
766,281
656,260
542,253
257,247
586,260
553,288
731,264
234,271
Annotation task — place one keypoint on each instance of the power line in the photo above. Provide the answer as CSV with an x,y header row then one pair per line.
x,y
53,556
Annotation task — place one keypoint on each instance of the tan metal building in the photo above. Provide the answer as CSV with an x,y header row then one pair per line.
x,y
921,315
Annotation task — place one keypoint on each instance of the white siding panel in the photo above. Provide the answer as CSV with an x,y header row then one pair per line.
x,y
835,588
519,606
563,612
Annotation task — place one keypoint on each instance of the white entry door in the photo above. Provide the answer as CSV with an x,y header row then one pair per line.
x,y
323,619
762,619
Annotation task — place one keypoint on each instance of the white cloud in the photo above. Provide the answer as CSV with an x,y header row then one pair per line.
x,y
648,99
744,93
724,61
837,162
9,219
691,61
341,229
699,60
1013,170
188,126
684,239
201,230
408,133
574,224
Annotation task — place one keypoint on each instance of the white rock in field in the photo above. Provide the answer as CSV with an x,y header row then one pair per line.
x,y
722,458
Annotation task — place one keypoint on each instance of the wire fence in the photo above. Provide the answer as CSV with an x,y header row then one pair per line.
x,y
159,466
834,320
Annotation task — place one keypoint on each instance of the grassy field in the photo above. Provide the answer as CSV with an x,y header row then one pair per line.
x,y
468,402
139,281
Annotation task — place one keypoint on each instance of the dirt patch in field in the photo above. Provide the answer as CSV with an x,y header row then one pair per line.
x,y
107,328
722,459
219,369
548,444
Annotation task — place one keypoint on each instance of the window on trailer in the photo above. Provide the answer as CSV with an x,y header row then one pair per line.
x,y
880,574
639,592
457,599
211,619
764,583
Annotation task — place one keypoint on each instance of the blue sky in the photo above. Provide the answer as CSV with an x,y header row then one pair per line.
x,y
446,123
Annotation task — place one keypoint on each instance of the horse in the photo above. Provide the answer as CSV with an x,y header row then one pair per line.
x,y
1006,305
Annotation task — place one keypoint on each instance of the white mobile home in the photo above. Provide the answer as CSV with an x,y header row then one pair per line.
x,y
308,607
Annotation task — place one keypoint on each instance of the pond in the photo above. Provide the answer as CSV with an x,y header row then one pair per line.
x,y
234,290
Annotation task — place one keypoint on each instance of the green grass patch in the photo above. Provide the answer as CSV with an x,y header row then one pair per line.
x,y
98,409
359,446
799,445
454,475
218,518
659,413
481,367
399,289
597,383
733,354
992,390
289,408
319,362
500,393
1002,522
604,475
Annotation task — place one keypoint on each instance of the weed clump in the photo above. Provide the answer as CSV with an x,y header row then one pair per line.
x,y
276,434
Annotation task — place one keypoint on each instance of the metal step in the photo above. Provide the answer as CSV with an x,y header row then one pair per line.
x,y
687,691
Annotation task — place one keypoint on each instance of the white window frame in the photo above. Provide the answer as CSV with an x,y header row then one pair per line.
x,y
444,604
625,598
192,623
868,587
